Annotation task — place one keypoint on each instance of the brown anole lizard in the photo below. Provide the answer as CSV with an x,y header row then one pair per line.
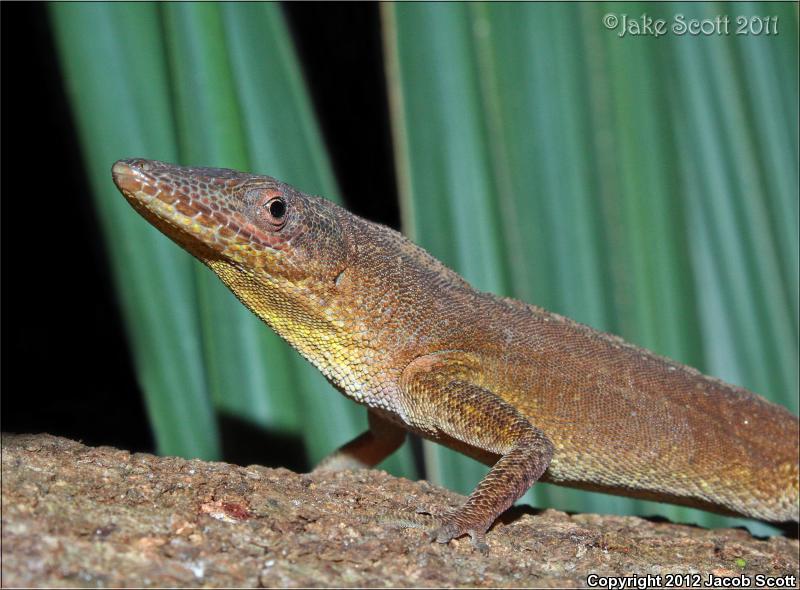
x,y
534,394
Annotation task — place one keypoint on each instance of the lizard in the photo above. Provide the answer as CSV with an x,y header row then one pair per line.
x,y
533,394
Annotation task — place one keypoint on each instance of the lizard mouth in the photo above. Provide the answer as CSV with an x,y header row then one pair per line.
x,y
138,181
187,214
127,176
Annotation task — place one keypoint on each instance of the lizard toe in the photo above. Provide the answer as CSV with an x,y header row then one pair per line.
x,y
452,526
440,527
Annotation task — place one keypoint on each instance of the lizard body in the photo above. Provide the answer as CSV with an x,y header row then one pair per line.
x,y
532,393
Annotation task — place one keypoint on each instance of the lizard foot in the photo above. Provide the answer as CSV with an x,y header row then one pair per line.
x,y
453,525
440,527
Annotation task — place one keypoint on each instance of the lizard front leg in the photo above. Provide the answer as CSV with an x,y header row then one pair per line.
x,y
443,401
367,449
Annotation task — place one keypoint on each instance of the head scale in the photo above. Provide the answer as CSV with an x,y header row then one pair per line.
x,y
230,218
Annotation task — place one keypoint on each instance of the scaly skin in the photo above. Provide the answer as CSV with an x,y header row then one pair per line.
x,y
532,393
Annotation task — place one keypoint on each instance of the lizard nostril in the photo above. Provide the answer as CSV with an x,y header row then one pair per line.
x,y
131,166
143,165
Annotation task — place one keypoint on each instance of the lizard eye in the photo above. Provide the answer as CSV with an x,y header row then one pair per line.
x,y
276,211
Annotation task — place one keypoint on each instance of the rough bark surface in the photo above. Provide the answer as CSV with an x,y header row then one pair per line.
x,y
80,516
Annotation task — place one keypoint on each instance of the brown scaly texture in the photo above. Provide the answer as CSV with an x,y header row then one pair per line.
x,y
534,394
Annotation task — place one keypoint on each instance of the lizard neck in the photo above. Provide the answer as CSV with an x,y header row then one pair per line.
x,y
306,317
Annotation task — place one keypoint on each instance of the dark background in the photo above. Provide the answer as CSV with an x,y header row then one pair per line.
x,y
66,366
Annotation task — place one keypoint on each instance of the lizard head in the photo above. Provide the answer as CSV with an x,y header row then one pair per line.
x,y
292,259
233,219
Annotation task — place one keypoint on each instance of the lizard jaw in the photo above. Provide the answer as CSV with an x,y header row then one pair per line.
x,y
195,221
